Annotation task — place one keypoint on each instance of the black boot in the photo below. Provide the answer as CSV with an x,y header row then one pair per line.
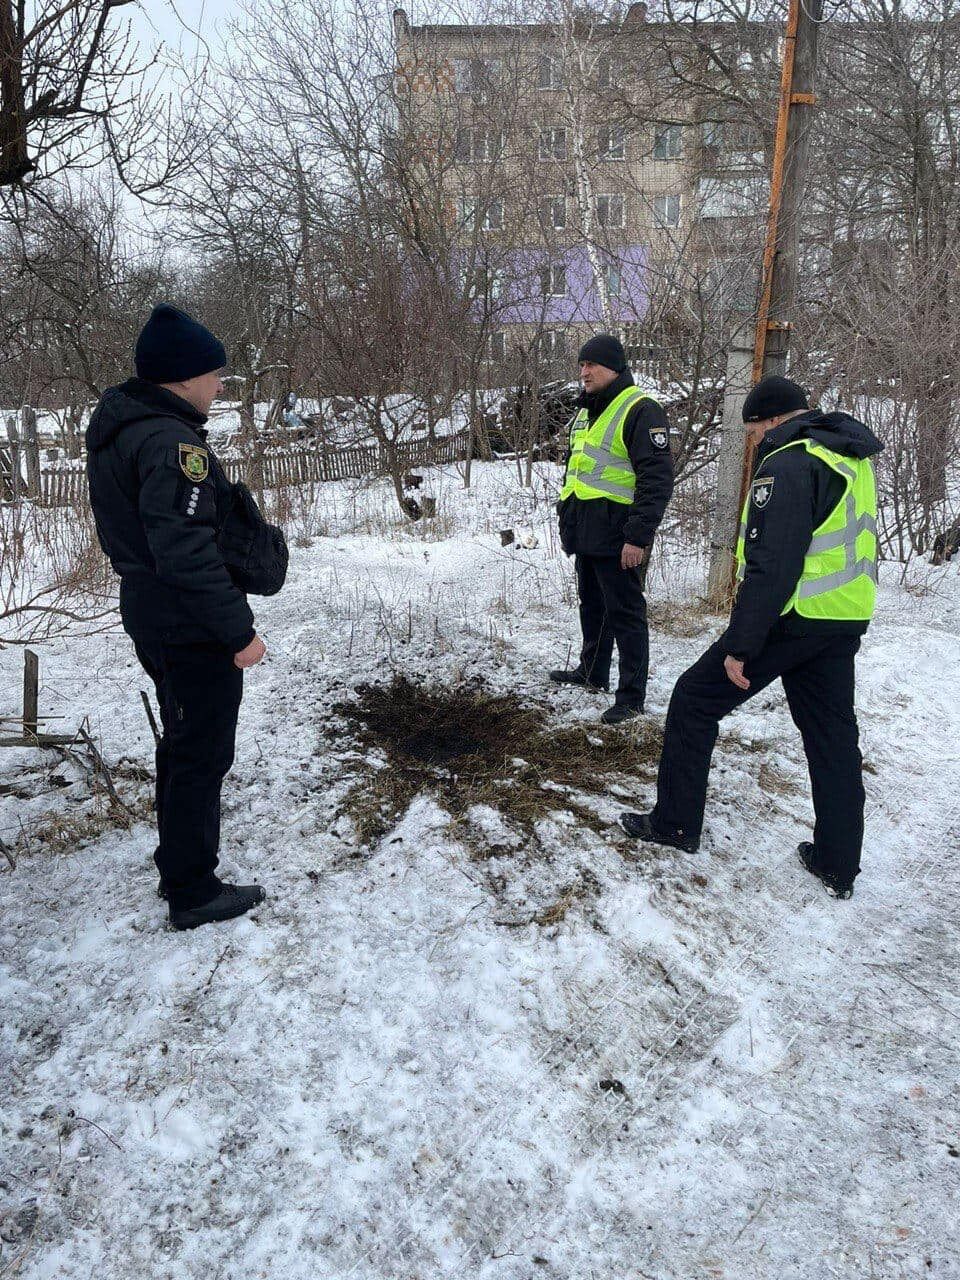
x,y
232,900
620,713
577,677
640,826
834,886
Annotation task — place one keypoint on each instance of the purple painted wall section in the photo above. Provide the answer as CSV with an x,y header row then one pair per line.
x,y
522,301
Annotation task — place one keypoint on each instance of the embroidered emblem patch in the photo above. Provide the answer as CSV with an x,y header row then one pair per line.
x,y
762,491
659,437
194,462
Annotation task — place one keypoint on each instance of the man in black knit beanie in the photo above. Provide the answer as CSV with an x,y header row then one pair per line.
x,y
618,481
159,496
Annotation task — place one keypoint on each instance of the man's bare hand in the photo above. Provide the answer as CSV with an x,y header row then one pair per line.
x,y
734,670
632,557
251,655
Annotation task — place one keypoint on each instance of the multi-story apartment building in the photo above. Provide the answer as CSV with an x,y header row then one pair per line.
x,y
581,173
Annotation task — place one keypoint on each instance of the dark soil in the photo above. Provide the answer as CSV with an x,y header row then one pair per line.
x,y
467,746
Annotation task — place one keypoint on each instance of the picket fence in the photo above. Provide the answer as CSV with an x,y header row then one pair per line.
x,y
67,487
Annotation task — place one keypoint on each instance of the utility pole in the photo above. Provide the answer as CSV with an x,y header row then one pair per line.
x,y
778,296
733,441
778,292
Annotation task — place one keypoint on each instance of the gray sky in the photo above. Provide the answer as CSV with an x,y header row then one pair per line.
x,y
180,24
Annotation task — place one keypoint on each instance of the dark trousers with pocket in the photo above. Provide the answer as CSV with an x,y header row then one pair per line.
x,y
613,608
199,692
817,672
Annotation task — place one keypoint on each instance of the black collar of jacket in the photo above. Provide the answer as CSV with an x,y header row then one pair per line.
x,y
156,397
792,429
598,400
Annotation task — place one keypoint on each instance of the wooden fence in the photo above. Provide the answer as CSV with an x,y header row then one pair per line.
x,y
67,486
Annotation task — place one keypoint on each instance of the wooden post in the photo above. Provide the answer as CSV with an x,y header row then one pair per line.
x,y
16,477
31,692
6,476
794,122
726,515
31,450
778,291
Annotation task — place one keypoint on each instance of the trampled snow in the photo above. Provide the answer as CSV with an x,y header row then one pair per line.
x,y
705,1068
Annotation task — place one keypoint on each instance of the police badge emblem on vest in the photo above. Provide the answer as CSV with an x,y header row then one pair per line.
x,y
659,437
762,490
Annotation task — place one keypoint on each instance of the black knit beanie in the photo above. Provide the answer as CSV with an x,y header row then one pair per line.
x,y
772,396
173,347
604,349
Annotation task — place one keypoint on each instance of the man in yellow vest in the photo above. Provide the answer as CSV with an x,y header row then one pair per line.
x,y
807,566
618,481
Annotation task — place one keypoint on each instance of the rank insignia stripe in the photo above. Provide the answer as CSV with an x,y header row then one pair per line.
x,y
194,462
762,491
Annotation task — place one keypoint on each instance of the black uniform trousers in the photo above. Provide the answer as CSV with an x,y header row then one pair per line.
x,y
818,678
199,692
613,608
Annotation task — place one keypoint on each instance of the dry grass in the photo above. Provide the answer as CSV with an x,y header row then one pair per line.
x,y
65,831
683,620
775,782
469,747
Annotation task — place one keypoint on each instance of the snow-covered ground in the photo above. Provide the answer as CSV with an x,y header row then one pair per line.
x,y
705,1068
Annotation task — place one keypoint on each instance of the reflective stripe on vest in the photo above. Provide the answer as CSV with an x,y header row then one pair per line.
x,y
816,584
606,454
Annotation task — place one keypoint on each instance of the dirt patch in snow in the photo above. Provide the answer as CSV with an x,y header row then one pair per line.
x,y
468,747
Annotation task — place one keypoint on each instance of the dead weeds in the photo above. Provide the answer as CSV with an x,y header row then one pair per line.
x,y
469,747
682,620
67,830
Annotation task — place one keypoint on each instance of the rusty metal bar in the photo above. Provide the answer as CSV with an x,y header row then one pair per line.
x,y
778,280
776,187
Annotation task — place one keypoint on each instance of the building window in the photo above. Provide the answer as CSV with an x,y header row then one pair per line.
x,y
472,211
712,133
667,142
731,198
605,71
487,144
553,144
553,345
478,145
496,352
612,144
666,211
553,212
468,212
548,72
474,75
492,219
610,211
613,277
485,285
553,280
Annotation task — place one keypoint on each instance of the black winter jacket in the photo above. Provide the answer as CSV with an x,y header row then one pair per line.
x,y
801,494
597,527
158,496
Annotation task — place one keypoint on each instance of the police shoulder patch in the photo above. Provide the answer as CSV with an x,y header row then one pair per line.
x,y
762,491
659,437
194,462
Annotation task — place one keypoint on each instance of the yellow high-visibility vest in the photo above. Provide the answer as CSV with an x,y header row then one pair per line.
x,y
839,578
599,465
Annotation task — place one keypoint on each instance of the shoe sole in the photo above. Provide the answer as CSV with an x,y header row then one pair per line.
x,y
184,925
587,688
233,914
839,895
666,844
